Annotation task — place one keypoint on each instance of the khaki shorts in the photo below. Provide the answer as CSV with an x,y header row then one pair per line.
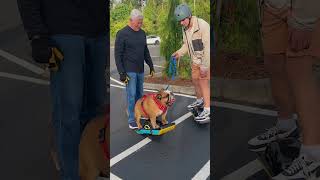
x,y
275,34
195,73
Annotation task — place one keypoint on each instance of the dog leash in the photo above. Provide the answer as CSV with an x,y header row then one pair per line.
x,y
173,67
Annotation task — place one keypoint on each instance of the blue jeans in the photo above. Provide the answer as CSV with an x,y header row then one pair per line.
x,y
78,90
134,92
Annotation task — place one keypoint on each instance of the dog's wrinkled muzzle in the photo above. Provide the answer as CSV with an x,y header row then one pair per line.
x,y
171,99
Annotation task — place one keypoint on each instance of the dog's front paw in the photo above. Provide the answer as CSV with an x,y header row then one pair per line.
x,y
156,126
164,122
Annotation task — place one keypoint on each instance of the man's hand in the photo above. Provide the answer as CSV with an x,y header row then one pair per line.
x,y
41,51
55,59
152,72
299,39
124,78
176,55
203,71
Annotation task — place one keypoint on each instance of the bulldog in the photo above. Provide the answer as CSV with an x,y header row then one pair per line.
x,y
152,105
93,149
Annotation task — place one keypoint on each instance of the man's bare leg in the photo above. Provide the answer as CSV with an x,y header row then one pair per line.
x,y
307,96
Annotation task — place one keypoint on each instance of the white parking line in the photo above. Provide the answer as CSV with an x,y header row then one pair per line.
x,y
129,151
21,62
39,70
249,109
119,82
114,177
142,143
24,78
204,172
182,118
150,90
246,171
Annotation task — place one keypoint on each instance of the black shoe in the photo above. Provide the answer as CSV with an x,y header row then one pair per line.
x,y
133,125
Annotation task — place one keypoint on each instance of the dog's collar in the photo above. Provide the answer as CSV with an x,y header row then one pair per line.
x,y
162,107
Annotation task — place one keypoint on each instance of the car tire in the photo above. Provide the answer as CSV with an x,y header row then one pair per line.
x,y
156,43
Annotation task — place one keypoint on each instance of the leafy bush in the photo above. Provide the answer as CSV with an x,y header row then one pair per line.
x,y
239,28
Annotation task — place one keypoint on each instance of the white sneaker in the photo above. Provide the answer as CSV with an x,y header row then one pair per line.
x,y
203,117
301,169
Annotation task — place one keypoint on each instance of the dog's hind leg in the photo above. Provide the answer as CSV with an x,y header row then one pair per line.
x,y
137,116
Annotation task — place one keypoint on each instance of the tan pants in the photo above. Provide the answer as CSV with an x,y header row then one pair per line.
x,y
195,72
275,34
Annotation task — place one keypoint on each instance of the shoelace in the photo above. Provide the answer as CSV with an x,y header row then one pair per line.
x,y
203,113
297,165
270,133
195,103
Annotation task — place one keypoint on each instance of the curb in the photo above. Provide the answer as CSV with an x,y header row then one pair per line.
x,y
176,89
249,91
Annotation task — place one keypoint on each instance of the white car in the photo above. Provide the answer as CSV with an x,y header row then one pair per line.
x,y
152,39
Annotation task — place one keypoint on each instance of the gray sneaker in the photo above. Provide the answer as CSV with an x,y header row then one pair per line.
x,y
301,169
260,142
195,104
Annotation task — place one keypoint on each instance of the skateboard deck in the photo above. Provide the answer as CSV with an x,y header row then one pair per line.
x,y
147,129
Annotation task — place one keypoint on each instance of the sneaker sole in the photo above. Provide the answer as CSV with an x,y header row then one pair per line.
x,y
203,121
133,127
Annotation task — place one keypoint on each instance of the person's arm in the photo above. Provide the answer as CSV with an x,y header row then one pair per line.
x,y
148,59
119,52
184,48
34,25
30,12
304,14
206,45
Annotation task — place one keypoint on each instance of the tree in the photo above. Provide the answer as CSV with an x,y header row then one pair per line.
x,y
239,28
151,17
171,34
119,17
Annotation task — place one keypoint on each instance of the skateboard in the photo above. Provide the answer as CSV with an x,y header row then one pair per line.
x,y
147,128
279,155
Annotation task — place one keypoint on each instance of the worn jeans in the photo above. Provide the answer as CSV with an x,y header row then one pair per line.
x,y
134,92
78,90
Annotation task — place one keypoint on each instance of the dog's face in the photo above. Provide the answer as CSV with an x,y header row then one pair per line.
x,y
166,97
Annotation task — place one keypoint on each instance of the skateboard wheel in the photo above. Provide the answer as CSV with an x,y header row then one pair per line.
x,y
146,126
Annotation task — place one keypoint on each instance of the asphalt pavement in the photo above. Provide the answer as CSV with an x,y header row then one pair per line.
x,y
25,114
180,154
170,156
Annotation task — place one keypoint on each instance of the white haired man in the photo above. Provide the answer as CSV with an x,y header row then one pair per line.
x,y
130,53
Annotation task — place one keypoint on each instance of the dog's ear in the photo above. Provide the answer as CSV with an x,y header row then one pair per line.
x,y
159,96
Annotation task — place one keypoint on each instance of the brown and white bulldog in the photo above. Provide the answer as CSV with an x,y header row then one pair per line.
x,y
93,149
152,105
